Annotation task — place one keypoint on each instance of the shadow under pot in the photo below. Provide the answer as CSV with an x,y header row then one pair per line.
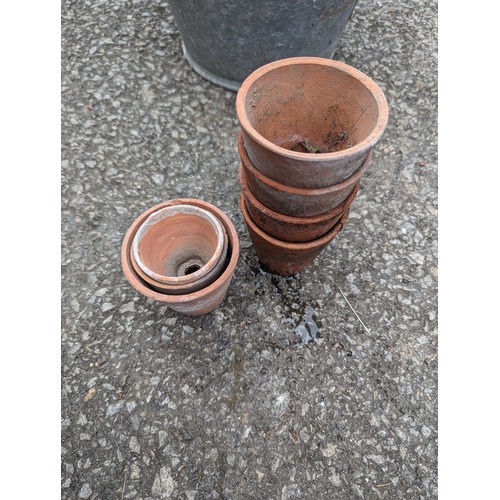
x,y
293,201
179,249
283,257
310,122
195,303
292,229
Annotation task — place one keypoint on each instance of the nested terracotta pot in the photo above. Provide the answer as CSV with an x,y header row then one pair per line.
x,y
310,122
283,257
179,249
196,303
209,278
292,229
293,201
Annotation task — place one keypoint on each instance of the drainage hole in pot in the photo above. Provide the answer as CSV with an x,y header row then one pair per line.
x,y
189,266
192,269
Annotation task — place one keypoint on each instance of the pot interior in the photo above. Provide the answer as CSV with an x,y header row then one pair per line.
x,y
311,108
179,244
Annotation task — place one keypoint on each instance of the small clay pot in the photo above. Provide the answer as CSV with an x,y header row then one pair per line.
x,y
192,304
293,201
292,229
183,288
310,122
282,257
180,248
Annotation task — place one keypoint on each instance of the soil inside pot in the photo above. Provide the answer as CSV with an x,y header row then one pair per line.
x,y
334,141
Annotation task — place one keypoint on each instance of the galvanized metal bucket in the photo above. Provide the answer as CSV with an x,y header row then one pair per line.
x,y
225,40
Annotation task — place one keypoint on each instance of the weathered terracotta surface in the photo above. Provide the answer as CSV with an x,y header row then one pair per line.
x,y
179,245
181,289
293,201
196,303
282,257
292,229
291,108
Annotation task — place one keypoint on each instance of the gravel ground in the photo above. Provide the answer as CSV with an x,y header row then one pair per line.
x,y
230,405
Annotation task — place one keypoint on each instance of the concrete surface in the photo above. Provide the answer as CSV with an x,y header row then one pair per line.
x,y
156,405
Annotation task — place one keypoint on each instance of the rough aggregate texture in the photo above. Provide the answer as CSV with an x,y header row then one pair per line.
x,y
233,404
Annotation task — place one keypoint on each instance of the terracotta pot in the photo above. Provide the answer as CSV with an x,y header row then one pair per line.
x,y
181,289
292,229
199,302
293,201
282,257
310,122
180,249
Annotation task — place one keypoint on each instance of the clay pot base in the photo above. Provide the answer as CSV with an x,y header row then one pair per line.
x,y
192,304
179,244
282,257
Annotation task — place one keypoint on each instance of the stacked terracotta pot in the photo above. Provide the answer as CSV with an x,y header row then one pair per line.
x,y
183,253
308,126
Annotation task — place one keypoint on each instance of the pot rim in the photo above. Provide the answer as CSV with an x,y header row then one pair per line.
x,y
307,245
367,143
290,219
171,211
139,285
277,186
